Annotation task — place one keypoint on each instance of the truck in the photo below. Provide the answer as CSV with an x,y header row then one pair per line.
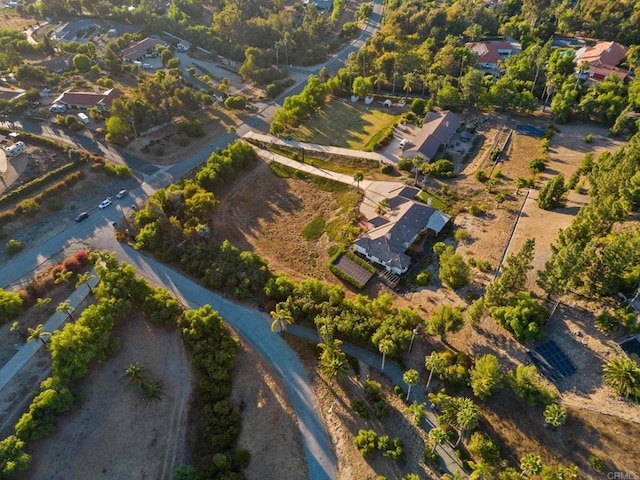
x,y
15,149
83,118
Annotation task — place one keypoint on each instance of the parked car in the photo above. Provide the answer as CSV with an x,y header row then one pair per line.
x,y
58,108
147,65
403,143
122,194
82,216
105,203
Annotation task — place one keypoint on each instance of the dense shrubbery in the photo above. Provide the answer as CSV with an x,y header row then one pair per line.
x,y
11,305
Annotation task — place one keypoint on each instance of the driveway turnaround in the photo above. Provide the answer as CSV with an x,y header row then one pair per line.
x,y
252,327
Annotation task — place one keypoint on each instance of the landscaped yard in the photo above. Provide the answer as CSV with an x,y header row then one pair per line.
x,y
356,126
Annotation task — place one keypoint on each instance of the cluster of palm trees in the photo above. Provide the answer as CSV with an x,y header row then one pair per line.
x,y
138,377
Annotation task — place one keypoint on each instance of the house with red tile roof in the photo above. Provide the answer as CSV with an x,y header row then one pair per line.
x,y
88,99
489,55
604,59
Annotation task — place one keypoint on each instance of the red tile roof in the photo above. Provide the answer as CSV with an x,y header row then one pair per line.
x,y
603,53
490,52
88,99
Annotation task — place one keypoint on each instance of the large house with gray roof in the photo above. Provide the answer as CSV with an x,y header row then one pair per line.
x,y
394,231
435,135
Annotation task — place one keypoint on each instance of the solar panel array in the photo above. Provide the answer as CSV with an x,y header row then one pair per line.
x,y
551,361
355,271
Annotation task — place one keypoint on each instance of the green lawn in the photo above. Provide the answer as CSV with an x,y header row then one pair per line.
x,y
346,125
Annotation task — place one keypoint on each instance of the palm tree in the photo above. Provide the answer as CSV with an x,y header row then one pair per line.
x,y
333,361
66,308
383,206
379,80
37,334
435,363
282,318
411,378
358,177
152,391
481,471
42,302
136,373
623,376
395,74
409,82
530,465
466,417
63,276
15,327
386,347
437,436
85,278
417,161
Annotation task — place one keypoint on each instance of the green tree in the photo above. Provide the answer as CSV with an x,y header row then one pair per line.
x,y
282,318
622,374
82,63
38,333
466,417
454,271
435,363
410,377
481,471
555,415
85,278
13,458
333,361
386,347
485,376
63,276
530,465
358,177
513,276
553,193
446,319
523,316
437,436
362,86
67,308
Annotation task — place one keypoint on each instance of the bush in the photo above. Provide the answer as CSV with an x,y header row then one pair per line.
x,y
29,207
360,408
405,165
596,463
440,169
588,138
423,278
14,246
484,448
380,409
235,102
274,89
537,165
418,106
461,235
607,323
372,390
386,168
366,442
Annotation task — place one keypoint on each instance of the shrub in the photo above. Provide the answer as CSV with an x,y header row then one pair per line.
x,y
607,323
477,209
588,138
537,165
418,106
394,451
461,235
380,409
29,207
423,278
442,168
596,463
235,102
482,447
14,246
360,408
366,442
274,89
11,305
372,390
498,173
405,165
386,168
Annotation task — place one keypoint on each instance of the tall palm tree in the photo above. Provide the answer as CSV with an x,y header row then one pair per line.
x,y
63,277
386,347
66,308
530,465
333,361
85,278
358,177
42,302
379,80
435,363
37,333
411,378
623,376
409,82
466,417
437,436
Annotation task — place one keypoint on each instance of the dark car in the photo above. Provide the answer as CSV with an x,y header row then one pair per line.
x,y
82,216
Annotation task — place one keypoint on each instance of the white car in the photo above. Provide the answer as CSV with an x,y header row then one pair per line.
x,y
122,194
147,65
105,203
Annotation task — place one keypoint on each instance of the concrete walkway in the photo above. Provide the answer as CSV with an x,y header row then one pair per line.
x,y
448,458
312,147
28,350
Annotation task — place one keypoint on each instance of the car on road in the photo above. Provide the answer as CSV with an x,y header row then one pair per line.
x,y
122,194
105,203
82,216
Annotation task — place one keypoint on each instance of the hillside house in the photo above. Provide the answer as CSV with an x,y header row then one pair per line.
x,y
435,135
394,231
604,59
84,100
490,55
145,48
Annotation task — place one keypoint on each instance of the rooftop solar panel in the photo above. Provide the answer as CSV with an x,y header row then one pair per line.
x,y
551,361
